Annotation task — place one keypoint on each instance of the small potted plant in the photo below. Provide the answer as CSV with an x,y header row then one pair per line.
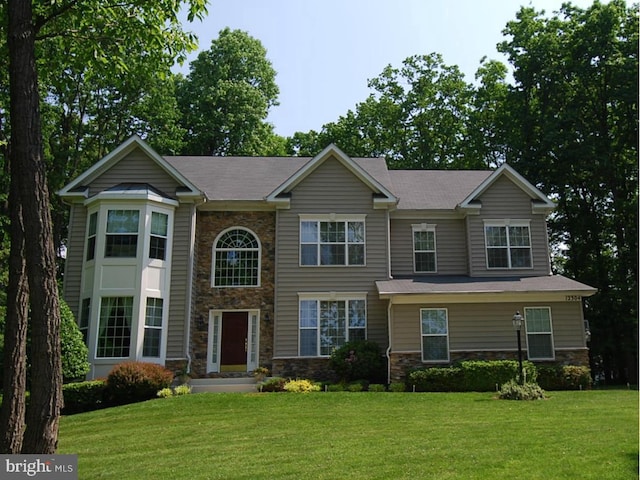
x,y
260,373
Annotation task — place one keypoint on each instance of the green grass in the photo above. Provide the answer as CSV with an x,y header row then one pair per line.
x,y
586,435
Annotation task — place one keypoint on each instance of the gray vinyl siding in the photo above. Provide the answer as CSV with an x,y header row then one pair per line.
x,y
504,200
486,326
136,167
75,256
331,188
451,246
180,281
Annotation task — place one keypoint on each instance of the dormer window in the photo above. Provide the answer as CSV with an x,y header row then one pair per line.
x,y
508,244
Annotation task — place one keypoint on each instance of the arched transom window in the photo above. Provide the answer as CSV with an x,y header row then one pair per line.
x,y
236,259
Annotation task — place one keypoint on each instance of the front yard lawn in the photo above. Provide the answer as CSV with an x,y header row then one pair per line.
x,y
586,435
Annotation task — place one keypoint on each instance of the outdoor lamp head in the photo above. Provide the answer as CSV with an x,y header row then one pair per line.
x,y
517,321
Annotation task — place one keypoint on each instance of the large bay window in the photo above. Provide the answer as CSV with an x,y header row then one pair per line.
x,y
122,233
508,244
327,323
332,240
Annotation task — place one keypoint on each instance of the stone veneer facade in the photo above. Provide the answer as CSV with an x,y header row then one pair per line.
x,y
206,298
401,363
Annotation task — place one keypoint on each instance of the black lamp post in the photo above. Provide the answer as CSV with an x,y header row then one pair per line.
x,y
517,325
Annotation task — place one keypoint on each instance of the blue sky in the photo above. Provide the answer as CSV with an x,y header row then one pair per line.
x,y
324,51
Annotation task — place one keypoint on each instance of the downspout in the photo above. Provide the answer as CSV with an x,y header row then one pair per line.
x,y
388,352
190,267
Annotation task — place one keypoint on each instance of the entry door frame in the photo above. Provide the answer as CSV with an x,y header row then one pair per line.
x,y
214,341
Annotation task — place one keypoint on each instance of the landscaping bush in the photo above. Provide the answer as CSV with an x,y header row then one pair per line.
x,y
397,387
450,379
73,350
377,387
83,396
484,376
336,387
301,386
360,359
273,384
132,382
564,377
512,390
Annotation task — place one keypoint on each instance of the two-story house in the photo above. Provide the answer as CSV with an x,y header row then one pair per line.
x,y
218,265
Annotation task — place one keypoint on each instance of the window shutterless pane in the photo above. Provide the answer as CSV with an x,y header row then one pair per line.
x,y
159,223
434,348
496,236
309,231
123,221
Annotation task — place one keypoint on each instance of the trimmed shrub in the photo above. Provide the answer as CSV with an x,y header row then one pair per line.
x,y
564,377
273,384
131,382
301,386
483,376
183,389
377,387
514,391
360,359
397,387
355,387
336,387
165,393
83,396
450,379
74,352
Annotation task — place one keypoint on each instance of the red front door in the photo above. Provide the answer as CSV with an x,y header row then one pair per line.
x,y
234,340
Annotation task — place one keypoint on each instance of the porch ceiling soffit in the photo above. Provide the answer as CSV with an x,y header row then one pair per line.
x,y
482,289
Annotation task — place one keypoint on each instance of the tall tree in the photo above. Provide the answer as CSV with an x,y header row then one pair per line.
x,y
88,25
226,98
574,127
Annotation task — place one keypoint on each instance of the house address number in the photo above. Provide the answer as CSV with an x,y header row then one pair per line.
x,y
572,298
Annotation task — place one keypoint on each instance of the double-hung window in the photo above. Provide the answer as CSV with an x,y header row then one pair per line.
x,y
328,323
152,328
336,240
91,236
508,244
435,334
539,333
424,248
122,233
158,236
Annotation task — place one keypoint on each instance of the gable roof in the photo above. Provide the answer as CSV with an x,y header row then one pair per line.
x,y
331,151
435,189
76,186
541,201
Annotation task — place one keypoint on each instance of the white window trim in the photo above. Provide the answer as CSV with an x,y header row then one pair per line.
x,y
331,217
448,359
506,223
553,347
214,252
331,297
425,227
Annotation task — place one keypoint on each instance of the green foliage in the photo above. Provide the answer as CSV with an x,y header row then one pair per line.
x,y
301,386
397,387
226,98
469,376
83,396
183,389
165,393
355,387
131,382
74,351
450,379
564,377
377,387
336,387
273,384
512,390
357,360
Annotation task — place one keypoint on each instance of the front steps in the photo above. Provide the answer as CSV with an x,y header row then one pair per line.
x,y
226,385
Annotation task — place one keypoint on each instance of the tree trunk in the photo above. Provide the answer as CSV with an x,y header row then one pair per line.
x,y
43,414
12,412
